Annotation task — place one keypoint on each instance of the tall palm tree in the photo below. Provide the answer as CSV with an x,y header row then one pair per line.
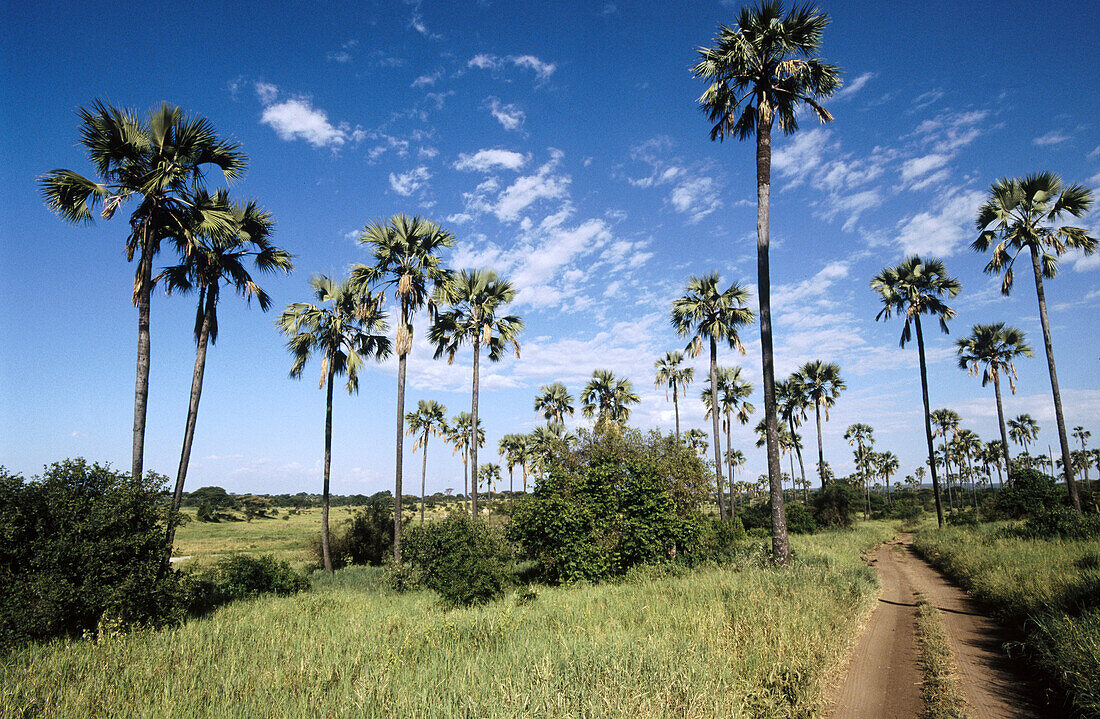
x,y
429,418
733,394
821,383
474,299
735,459
490,474
405,253
995,455
863,437
1081,435
946,421
460,437
162,163
671,376
344,326
513,447
760,72
889,465
554,402
608,400
210,260
789,442
992,349
543,440
705,311
967,444
1023,430
913,288
697,440
1019,215
791,405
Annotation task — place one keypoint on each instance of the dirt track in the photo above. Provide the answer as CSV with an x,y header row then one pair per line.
x,y
882,679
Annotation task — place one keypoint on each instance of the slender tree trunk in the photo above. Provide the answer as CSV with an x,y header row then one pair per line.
x,y
1000,480
466,480
423,476
801,466
729,461
325,555
820,450
1000,415
473,424
781,546
402,363
928,422
1063,440
947,472
524,468
676,407
714,428
511,491
210,301
141,381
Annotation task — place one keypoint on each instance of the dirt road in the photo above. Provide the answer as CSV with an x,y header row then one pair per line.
x,y
882,679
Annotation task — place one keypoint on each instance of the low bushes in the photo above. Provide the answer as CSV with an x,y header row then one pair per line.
x,y
365,538
464,560
239,576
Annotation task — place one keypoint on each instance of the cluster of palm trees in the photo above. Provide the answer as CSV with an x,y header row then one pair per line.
x,y
349,324
160,163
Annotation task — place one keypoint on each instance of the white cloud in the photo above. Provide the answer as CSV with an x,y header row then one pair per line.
x,y
854,86
543,70
1053,137
426,80
297,119
545,184
409,182
916,167
343,55
696,197
266,92
486,160
484,62
941,231
509,116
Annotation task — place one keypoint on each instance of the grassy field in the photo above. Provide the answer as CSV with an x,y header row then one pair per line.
x,y
748,641
1049,588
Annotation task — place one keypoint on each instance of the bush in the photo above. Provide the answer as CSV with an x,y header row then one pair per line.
x,y
240,576
462,559
799,519
908,508
1030,492
81,544
836,505
1061,523
365,538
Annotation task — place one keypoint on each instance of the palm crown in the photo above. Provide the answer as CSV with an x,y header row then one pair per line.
x,y
608,398
705,311
991,349
821,383
475,298
429,418
913,288
554,402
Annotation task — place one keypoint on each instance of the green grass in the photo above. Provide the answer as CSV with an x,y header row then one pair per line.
x,y
746,642
940,689
1050,588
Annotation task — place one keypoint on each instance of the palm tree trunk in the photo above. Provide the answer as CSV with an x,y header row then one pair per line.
x,y
466,480
714,425
524,467
676,407
928,422
141,380
209,299
1000,414
801,466
423,476
473,425
729,460
511,491
325,556
820,451
402,362
947,472
1063,440
781,545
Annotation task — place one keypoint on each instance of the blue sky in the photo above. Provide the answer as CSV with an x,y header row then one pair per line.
x,y
561,143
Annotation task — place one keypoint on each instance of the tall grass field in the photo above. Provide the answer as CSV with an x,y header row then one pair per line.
x,y
748,641
1050,588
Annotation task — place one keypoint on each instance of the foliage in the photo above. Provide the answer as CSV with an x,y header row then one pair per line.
x,y
836,505
463,559
216,497
799,519
1061,523
240,576
908,508
1029,492
366,538
616,501
79,545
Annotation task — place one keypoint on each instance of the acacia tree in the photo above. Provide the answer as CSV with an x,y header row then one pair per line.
x,y
429,418
671,376
344,326
405,251
760,72
821,383
608,399
161,163
992,349
705,311
209,260
1018,216
474,299
911,289
554,402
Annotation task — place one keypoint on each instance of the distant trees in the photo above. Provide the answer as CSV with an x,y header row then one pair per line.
x,y
821,383
1023,430
671,375
429,418
344,327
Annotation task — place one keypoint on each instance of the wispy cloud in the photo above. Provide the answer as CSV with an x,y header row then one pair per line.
x,y
343,55
487,160
406,183
854,86
1054,137
509,116
942,230
543,70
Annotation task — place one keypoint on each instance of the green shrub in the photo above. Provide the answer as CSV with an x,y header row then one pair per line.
x,y
908,508
240,576
836,505
81,544
799,519
464,560
1061,523
1029,492
365,538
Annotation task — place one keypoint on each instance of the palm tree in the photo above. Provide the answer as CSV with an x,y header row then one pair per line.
x,y
791,406
1023,430
789,442
863,437
995,454
913,288
735,459
513,447
1018,216
344,326
697,440
733,394
967,445
554,402
1081,435
888,465
945,421
759,72
608,400
460,437
490,474
429,418
821,383
474,299
405,252
670,375
162,163
992,348
706,311
542,442
209,260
